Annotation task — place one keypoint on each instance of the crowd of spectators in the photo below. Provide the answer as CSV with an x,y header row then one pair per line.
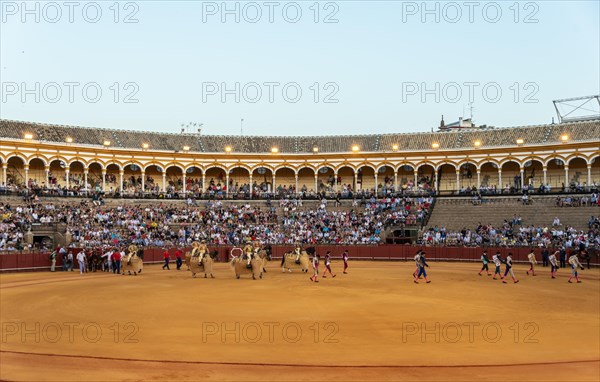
x,y
94,224
513,233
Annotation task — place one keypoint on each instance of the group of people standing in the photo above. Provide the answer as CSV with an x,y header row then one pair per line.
x,y
556,260
106,259
110,260
327,263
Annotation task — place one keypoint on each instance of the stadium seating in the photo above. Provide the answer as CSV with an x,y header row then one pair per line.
x,y
458,213
489,137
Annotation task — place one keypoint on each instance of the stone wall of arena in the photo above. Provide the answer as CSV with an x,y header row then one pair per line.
x,y
41,261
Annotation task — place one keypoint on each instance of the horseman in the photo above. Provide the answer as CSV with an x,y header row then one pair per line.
x,y
133,249
249,252
257,247
298,252
140,252
201,251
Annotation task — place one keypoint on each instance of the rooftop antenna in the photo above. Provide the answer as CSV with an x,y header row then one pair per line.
x,y
186,127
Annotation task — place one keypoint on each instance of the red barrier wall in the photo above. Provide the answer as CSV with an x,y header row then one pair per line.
x,y
32,261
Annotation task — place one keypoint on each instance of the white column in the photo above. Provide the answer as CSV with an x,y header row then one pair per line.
x,y
376,183
396,181
522,170
103,180
121,174
545,170
26,176
47,170
226,183
316,183
164,181
67,178
500,178
355,182
457,179
250,183
143,182
335,184
85,178
435,180
478,178
296,178
273,183
184,180
567,177
4,175
589,177
416,179
203,189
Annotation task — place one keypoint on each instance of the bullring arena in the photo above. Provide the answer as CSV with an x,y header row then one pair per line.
x,y
371,323
381,198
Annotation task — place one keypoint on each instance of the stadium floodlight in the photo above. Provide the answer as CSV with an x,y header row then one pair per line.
x,y
145,146
228,149
28,136
395,147
355,148
69,140
564,137
578,109
106,143
435,145
520,141
477,143
315,149
274,150
186,148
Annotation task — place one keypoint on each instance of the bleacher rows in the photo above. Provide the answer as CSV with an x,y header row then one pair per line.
x,y
457,213
499,137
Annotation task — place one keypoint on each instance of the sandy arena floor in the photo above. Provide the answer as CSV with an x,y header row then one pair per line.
x,y
372,323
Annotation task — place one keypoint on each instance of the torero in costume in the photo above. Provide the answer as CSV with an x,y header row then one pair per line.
x,y
553,260
532,262
574,262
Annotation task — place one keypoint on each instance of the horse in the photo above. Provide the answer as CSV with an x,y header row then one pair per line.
x,y
206,266
135,265
289,260
239,265
265,256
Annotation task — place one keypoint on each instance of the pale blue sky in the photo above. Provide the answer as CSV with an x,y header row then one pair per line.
x,y
370,54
